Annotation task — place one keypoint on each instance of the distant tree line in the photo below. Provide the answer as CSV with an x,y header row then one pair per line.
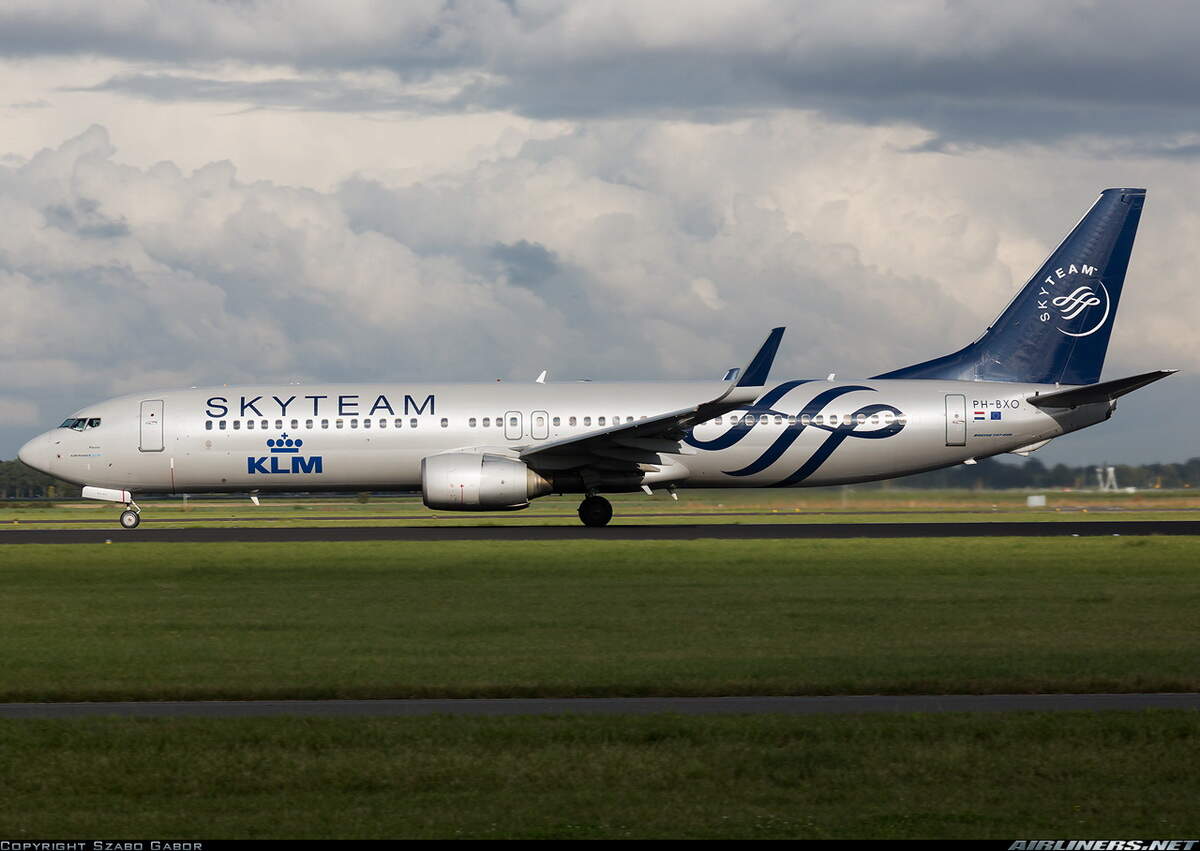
x,y
20,482
991,474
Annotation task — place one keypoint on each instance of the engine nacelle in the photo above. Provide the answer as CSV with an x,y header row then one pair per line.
x,y
477,481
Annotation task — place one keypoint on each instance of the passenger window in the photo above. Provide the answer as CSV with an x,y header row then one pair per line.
x,y
629,419
279,424
221,425
324,423
338,423
382,422
265,423
861,418
541,421
720,420
445,422
600,421
791,419
295,424
250,424
399,422
487,422
512,421
413,422
805,419
833,419
308,423
587,421
471,422
763,418
237,424
366,423
557,421
778,420
208,425
571,421
354,423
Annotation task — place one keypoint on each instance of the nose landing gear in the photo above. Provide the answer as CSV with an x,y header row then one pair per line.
x,y
131,516
595,511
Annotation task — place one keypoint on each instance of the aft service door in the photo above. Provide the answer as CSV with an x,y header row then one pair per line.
x,y
512,426
152,427
956,419
539,425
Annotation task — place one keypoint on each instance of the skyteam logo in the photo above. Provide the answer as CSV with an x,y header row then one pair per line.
x,y
1078,309
284,457
1080,303
851,426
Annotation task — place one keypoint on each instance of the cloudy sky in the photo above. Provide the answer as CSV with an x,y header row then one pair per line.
x,y
237,191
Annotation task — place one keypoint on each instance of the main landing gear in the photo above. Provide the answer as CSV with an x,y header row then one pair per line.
x,y
595,511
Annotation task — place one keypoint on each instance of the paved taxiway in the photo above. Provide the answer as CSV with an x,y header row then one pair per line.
x,y
620,532
823,705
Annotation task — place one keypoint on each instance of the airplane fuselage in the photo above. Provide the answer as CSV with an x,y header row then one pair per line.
x,y
358,437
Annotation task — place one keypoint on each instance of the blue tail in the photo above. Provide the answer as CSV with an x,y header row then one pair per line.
x,y
1056,330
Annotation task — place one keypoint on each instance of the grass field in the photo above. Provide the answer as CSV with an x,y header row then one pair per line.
x,y
1074,775
812,505
457,619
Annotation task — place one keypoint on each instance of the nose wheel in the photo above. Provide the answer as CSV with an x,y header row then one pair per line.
x,y
595,511
130,518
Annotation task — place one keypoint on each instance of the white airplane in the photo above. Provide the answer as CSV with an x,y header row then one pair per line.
x,y
1031,377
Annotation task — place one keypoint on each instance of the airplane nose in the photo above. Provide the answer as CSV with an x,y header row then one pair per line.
x,y
36,453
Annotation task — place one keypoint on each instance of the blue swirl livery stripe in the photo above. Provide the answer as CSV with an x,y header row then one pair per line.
x,y
838,434
740,430
792,432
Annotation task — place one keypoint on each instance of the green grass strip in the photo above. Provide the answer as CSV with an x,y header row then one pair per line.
x,y
385,619
1073,775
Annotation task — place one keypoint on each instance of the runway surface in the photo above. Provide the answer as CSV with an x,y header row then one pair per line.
x,y
620,532
825,705
568,517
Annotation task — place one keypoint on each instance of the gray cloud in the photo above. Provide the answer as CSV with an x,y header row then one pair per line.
x,y
320,95
970,72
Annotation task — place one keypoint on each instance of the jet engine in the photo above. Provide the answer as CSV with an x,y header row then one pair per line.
x,y
477,481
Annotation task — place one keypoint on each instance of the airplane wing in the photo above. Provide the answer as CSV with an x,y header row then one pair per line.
x,y
638,447
1105,391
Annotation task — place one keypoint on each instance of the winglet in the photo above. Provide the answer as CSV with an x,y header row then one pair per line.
x,y
755,375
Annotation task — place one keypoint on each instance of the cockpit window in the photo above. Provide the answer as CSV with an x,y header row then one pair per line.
x,y
80,423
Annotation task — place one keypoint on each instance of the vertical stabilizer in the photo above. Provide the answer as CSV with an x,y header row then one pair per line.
x,y
1056,329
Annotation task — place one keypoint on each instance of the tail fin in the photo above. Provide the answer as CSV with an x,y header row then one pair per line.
x,y
1056,329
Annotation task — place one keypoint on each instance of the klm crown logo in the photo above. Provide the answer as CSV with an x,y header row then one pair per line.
x,y
284,445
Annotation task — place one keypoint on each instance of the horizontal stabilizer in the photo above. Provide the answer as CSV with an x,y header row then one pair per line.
x,y
1105,391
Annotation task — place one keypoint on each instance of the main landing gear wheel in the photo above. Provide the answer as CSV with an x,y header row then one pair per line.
x,y
595,511
130,518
